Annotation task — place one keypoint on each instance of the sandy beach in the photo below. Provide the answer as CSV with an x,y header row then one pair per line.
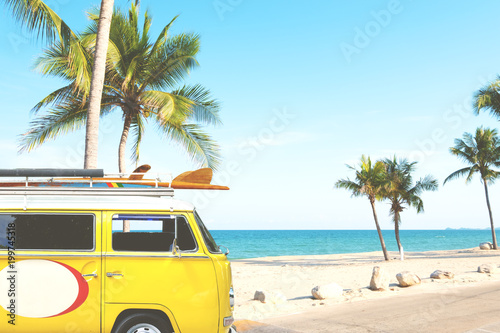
x,y
295,276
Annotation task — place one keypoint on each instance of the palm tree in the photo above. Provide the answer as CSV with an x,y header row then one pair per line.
x,y
488,98
367,183
37,17
399,190
143,79
481,152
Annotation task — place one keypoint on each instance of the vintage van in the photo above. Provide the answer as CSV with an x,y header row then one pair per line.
x,y
100,260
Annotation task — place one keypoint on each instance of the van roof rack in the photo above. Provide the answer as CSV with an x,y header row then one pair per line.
x,y
51,173
93,191
78,182
95,182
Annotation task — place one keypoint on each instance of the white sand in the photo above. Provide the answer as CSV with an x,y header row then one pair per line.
x,y
295,276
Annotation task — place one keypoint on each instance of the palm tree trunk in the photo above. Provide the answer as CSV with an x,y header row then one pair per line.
x,y
122,164
396,231
491,215
382,243
96,85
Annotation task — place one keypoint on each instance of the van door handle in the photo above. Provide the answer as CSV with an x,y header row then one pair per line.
x,y
90,275
113,274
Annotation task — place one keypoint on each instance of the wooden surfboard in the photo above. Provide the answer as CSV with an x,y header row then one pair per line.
x,y
142,169
200,176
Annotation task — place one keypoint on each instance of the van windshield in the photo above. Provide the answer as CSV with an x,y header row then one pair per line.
x,y
207,237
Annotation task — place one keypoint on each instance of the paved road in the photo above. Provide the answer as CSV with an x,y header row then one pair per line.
x,y
457,310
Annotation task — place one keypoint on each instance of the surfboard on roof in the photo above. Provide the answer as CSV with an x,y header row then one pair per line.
x,y
198,179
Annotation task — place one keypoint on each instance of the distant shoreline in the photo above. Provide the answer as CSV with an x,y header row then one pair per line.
x,y
386,230
245,244
375,256
369,229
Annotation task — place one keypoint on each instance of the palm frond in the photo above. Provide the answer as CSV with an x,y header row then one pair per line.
x,y
204,109
56,97
349,185
147,25
138,132
428,183
488,98
457,174
62,120
162,38
70,62
417,203
172,63
38,18
200,147
66,116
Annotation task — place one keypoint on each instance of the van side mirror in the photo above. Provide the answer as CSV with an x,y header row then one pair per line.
x,y
226,252
175,249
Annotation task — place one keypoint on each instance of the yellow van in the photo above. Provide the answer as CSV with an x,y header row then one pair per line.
x,y
119,260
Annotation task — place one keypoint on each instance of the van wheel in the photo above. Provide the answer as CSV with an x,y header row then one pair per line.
x,y
142,324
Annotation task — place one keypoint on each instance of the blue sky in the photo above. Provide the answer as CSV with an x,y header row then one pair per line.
x,y
306,88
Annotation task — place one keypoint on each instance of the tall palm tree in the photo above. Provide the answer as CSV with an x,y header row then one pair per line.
x,y
401,192
367,183
481,152
37,17
143,79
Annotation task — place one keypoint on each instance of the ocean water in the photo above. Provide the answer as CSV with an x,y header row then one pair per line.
x,y
265,243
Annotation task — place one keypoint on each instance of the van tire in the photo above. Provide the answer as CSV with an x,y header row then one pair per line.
x,y
141,323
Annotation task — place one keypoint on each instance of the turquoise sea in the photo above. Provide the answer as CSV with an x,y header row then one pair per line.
x,y
265,243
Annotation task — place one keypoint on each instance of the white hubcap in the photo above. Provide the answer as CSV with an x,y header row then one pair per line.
x,y
143,328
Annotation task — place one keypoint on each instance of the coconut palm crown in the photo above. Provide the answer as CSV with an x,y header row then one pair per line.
x,y
368,182
482,153
144,79
401,192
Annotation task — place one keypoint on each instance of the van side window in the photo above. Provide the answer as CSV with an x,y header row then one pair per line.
x,y
207,237
151,233
71,232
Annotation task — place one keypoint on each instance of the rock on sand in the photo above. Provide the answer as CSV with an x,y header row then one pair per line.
x,y
265,296
407,279
486,246
438,274
331,290
487,268
380,279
